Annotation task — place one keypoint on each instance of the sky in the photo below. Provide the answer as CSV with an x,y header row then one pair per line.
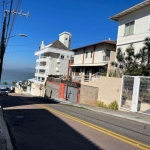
x,y
87,20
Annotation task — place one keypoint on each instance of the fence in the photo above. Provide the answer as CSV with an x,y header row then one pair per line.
x,y
135,94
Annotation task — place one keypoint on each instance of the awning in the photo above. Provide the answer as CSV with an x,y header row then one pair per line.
x,y
98,64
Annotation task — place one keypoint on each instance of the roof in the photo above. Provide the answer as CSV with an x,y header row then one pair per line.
x,y
59,45
131,9
106,41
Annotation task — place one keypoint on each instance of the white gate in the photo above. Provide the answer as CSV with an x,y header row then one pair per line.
x,y
135,94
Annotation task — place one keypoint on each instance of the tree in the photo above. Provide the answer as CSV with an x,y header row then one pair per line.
x,y
13,83
130,63
5,83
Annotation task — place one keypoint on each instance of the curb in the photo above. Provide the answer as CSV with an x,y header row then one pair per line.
x,y
115,115
5,131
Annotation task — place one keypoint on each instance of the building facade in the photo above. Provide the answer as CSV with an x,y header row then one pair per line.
x,y
134,26
53,59
94,58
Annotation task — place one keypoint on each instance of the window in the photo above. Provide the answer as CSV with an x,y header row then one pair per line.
x,y
91,54
62,56
129,28
86,54
66,39
107,55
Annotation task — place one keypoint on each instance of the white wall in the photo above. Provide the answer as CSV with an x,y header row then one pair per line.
x,y
78,57
65,38
88,50
141,28
99,53
98,56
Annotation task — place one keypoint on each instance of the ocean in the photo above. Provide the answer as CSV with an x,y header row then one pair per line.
x,y
10,75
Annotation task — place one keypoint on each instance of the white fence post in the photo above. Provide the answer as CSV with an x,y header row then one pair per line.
x,y
122,84
135,95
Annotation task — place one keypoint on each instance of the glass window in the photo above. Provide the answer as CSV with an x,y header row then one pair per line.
x,y
91,54
129,28
62,56
86,54
107,53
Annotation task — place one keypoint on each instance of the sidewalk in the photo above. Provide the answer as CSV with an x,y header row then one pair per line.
x,y
139,117
5,142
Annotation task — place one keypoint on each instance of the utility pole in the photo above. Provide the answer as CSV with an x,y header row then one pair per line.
x,y
3,38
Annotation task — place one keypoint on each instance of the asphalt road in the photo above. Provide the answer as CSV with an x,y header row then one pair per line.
x,y
33,126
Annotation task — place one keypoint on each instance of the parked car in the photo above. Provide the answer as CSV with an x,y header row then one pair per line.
x,y
3,92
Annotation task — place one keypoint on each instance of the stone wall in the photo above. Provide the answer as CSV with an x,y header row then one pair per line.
x,y
88,95
52,90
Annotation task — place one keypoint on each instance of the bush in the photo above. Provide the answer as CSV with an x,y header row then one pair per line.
x,y
113,105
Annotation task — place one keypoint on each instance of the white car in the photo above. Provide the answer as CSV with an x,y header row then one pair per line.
x,y
3,92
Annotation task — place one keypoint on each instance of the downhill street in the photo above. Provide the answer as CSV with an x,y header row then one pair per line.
x,y
40,124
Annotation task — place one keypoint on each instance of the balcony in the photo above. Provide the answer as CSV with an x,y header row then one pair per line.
x,y
43,58
40,74
106,58
58,60
40,67
57,68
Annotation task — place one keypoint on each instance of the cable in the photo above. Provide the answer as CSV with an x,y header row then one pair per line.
x,y
9,17
24,23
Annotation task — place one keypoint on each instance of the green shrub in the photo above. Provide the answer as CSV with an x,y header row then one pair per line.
x,y
113,105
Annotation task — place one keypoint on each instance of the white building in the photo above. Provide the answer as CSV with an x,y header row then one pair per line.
x,y
134,25
53,59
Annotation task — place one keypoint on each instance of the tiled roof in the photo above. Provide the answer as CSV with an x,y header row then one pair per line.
x,y
105,41
59,45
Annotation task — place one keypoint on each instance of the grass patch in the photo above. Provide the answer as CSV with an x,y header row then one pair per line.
x,y
113,105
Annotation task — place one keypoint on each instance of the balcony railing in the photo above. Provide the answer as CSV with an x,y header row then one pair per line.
x,y
41,72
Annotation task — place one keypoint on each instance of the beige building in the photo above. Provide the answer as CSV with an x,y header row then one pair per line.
x,y
93,59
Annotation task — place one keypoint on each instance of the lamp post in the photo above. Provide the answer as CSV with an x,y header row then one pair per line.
x,y
24,35
3,38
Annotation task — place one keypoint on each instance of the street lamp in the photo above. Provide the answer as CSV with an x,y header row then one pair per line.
x,y
24,35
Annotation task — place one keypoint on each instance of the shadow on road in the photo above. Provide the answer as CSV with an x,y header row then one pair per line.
x,y
38,129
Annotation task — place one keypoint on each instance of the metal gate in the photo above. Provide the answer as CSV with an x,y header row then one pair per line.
x,y
71,92
135,94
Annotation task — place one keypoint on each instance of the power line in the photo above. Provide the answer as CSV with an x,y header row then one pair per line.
x,y
24,23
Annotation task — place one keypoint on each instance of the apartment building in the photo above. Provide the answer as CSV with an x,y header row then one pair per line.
x,y
53,59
